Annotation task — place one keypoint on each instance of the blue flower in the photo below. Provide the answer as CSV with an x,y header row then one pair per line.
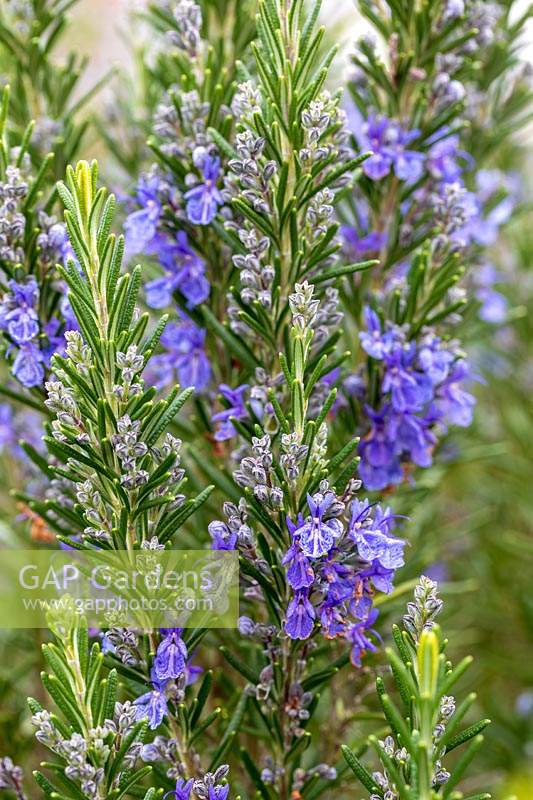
x,y
300,572
380,576
373,540
433,359
236,408
454,403
153,704
388,142
409,390
140,227
204,199
443,155
412,436
300,617
185,355
332,619
373,340
487,216
317,536
357,636
18,315
222,537
219,792
380,465
494,306
28,365
171,655
362,244
7,433
185,271
182,790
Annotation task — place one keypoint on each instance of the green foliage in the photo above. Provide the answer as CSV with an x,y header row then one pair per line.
x,y
119,474
95,740
424,721
46,88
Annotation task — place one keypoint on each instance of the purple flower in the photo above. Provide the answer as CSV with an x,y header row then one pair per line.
x,y
332,620
7,433
408,164
362,245
222,537
412,436
153,704
339,580
361,240
485,228
373,340
28,366
380,465
374,137
185,271
300,572
388,142
171,655
182,791
453,401
203,200
185,355
357,636
219,792
442,163
140,227
300,617
18,315
107,644
409,390
374,542
493,307
192,672
433,359
317,536
380,576
236,408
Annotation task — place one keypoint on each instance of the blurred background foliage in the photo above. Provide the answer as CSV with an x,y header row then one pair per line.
x,y
471,514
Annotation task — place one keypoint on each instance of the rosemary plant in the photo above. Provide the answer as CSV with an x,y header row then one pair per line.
x,y
424,728
117,478
316,255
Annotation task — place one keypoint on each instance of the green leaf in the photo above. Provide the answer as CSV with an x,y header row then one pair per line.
x,y
236,346
240,666
230,732
346,269
359,769
201,698
467,734
153,433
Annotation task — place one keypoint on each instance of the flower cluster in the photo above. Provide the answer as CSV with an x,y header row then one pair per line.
x,y
184,357
422,389
13,190
32,334
20,320
169,665
184,269
425,206
334,568
263,194
388,142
